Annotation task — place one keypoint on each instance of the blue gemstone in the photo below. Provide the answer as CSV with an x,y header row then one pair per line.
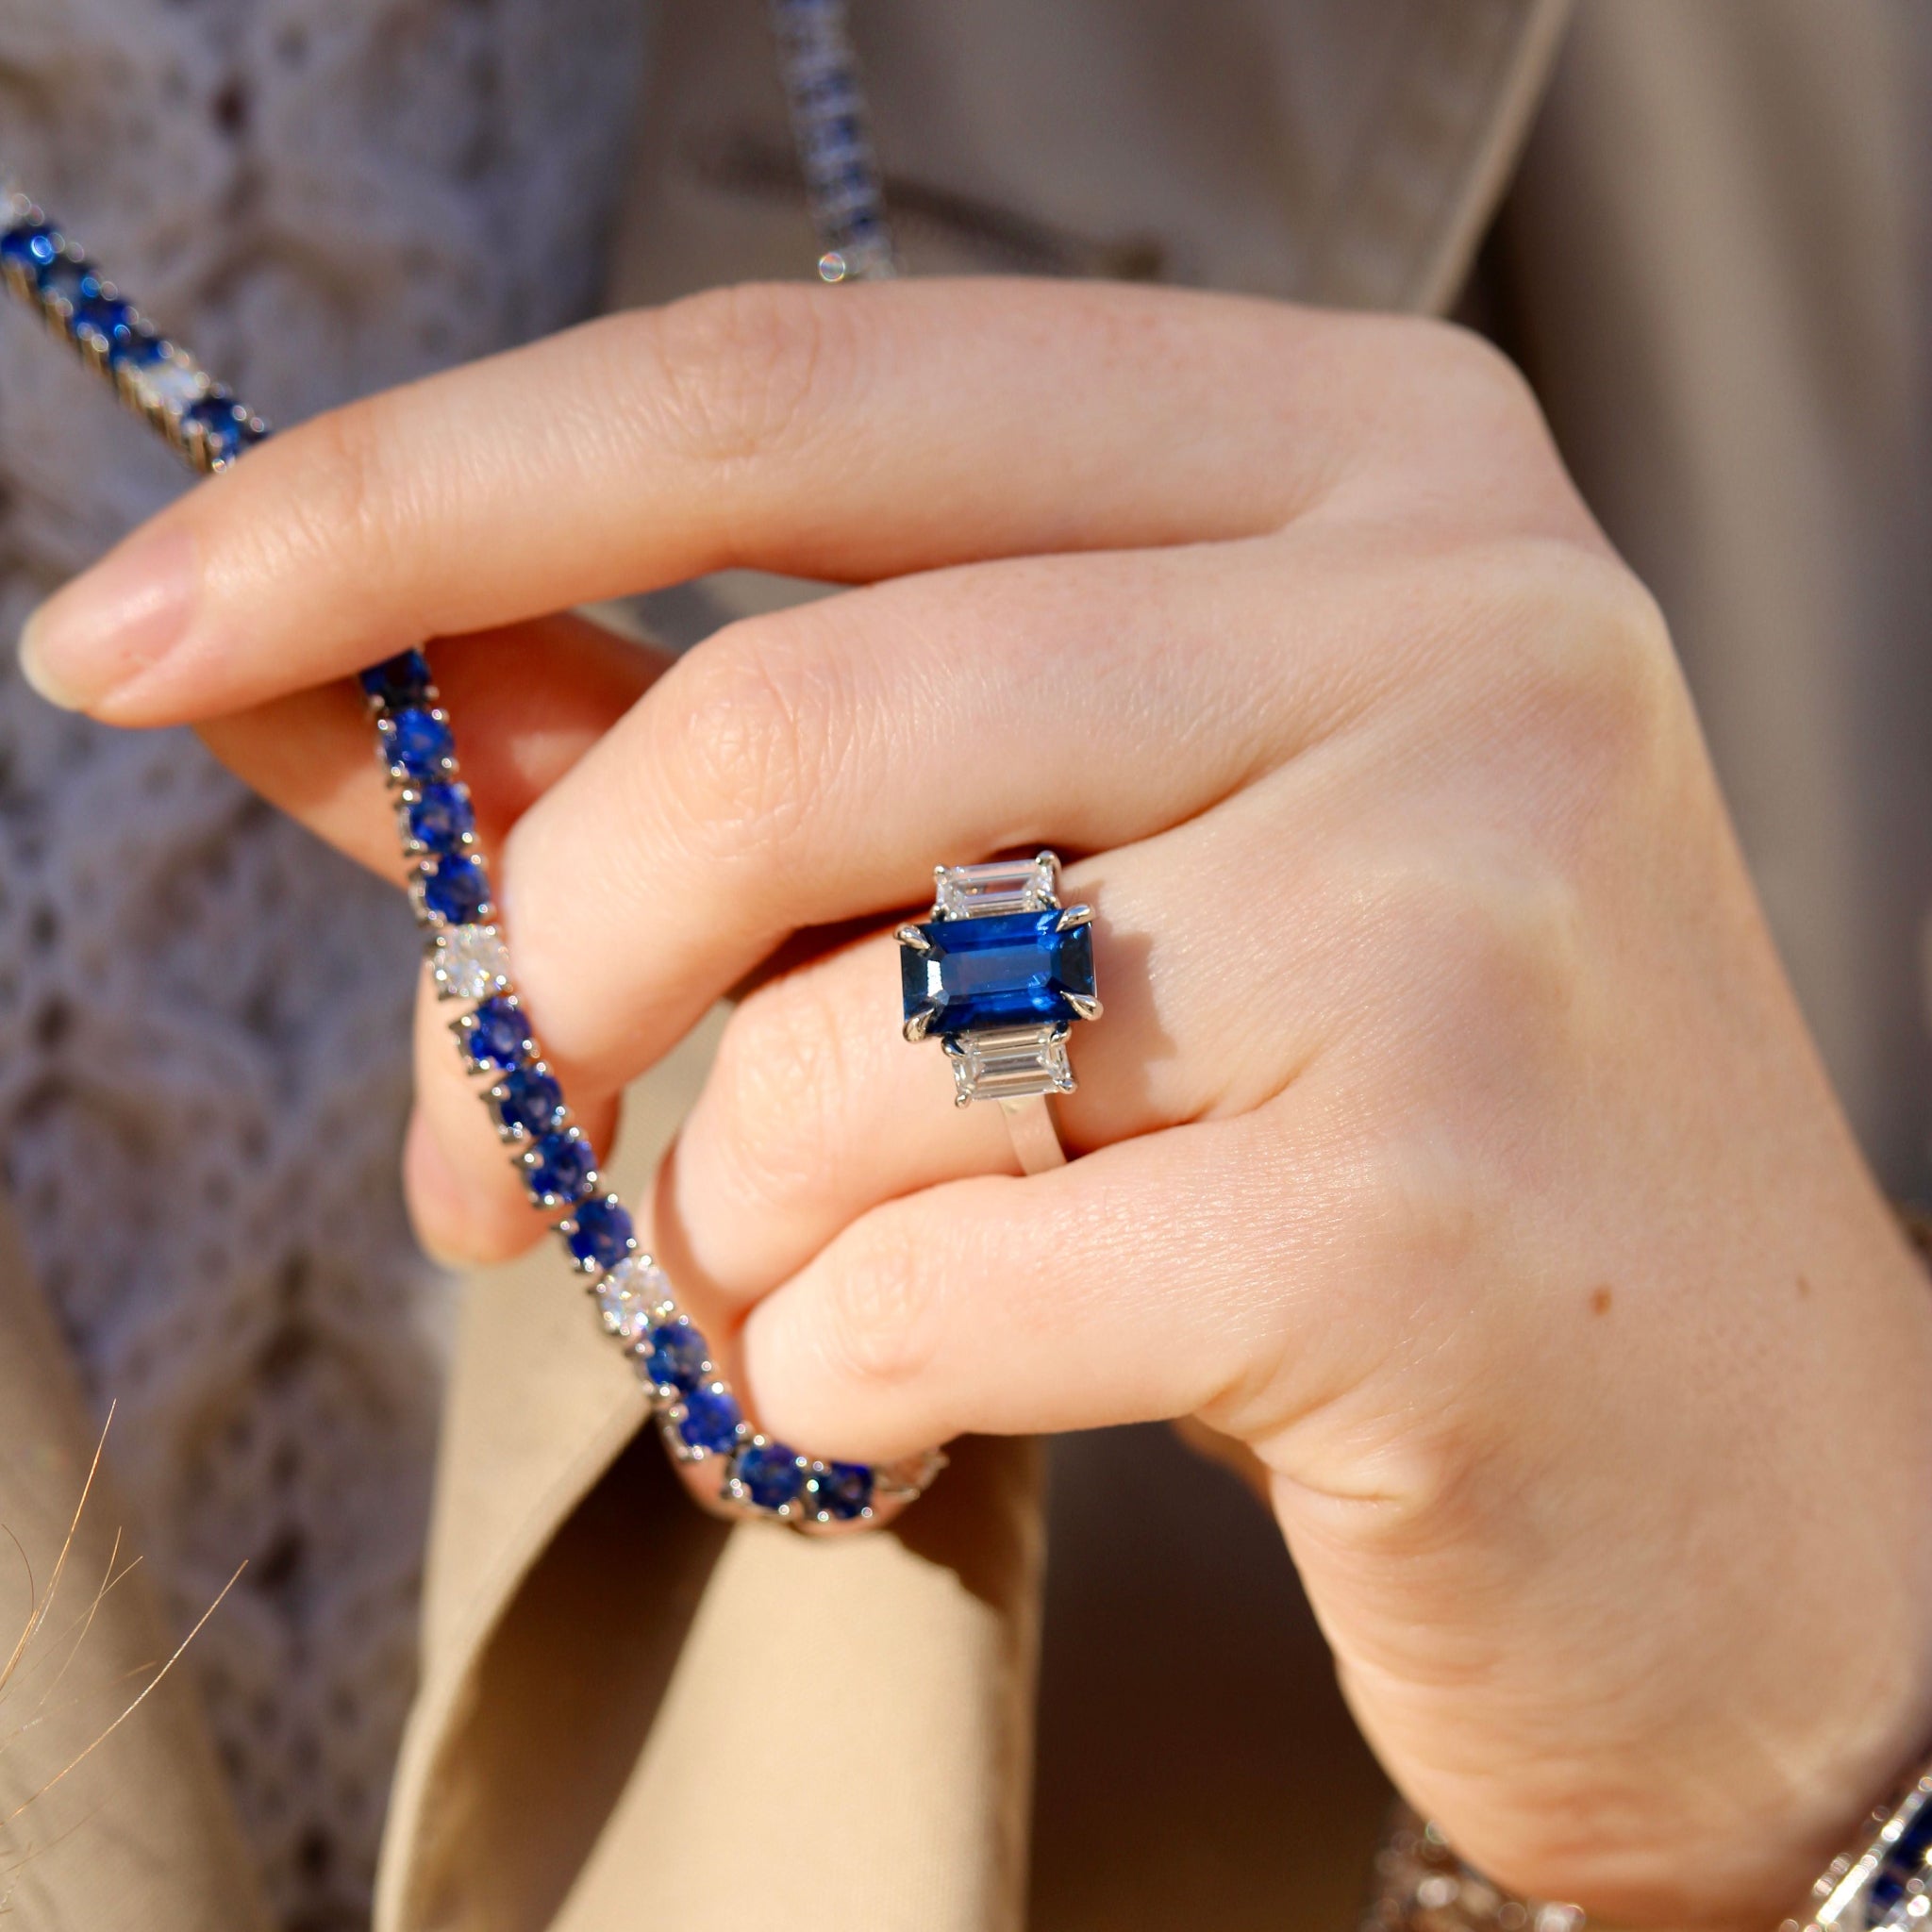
x,y
110,318
531,1101
562,1166
403,679
30,245
456,891
841,1490
226,425
1915,1840
140,348
1010,971
604,1232
498,1035
420,742
711,1420
770,1474
441,818
676,1357
71,279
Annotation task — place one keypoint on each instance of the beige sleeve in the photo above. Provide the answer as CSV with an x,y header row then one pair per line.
x,y
105,1822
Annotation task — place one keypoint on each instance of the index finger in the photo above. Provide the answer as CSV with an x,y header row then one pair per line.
x,y
847,434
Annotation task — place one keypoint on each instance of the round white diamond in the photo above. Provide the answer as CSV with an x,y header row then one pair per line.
x,y
470,962
171,386
629,1294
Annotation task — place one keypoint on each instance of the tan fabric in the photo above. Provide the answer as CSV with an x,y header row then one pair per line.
x,y
101,1828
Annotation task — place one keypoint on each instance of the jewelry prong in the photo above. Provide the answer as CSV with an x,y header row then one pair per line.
x,y
912,937
1072,916
1084,1004
920,1024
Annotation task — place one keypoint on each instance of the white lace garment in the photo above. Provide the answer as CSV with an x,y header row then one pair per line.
x,y
204,1057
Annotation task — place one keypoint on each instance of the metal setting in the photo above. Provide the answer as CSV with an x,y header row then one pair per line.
x,y
1018,1065
153,376
467,957
834,143
1422,1885
1882,1881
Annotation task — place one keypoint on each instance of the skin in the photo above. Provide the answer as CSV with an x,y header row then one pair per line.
x,y
1452,1151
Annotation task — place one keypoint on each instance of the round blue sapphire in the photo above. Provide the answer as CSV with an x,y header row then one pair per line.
x,y
107,318
420,742
604,1232
562,1167
531,1102
675,1356
496,1036
770,1474
403,679
711,1420
140,348
29,245
441,818
225,423
842,1490
73,282
456,891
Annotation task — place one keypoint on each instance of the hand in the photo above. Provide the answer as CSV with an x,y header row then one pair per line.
x,y
1451,1141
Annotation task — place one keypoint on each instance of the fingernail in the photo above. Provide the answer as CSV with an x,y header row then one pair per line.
x,y
99,633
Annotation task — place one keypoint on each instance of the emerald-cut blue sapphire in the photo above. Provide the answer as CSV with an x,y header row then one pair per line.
x,y
604,1232
842,1490
711,1420
771,1474
456,891
531,1102
1013,969
676,1355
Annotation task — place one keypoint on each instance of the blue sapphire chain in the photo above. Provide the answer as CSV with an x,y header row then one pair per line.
x,y
700,1419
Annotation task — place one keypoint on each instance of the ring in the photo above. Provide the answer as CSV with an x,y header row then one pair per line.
x,y
998,975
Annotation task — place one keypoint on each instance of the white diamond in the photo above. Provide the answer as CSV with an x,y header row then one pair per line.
x,y
171,386
630,1294
985,892
470,962
1010,1062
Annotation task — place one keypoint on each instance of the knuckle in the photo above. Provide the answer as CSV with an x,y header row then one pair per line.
x,y
779,1081
880,1312
349,500
1497,982
750,741
739,372
1593,665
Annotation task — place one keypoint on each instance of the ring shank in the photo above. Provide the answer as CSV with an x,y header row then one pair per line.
x,y
1035,1140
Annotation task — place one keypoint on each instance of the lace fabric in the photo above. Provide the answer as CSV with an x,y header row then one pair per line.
x,y
204,1014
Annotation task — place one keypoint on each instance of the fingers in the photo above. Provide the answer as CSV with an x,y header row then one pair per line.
x,y
1124,1287
530,700
816,432
816,1110
812,766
